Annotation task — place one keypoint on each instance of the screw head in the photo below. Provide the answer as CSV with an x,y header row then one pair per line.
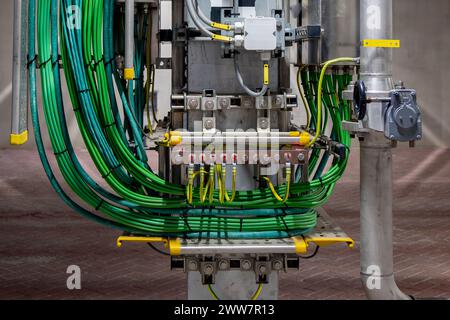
x,y
208,269
223,265
224,103
264,124
277,265
209,105
301,157
246,265
193,103
192,265
278,101
209,124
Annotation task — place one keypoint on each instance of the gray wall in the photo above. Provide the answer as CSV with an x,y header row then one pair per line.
x,y
423,63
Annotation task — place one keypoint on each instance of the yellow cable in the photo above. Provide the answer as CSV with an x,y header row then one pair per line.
x,y
212,183
258,292
319,95
202,182
305,104
212,293
288,186
254,297
233,187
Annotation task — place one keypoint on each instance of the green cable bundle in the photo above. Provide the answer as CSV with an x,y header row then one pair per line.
x,y
138,200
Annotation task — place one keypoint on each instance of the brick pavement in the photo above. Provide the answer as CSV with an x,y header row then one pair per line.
x,y
41,237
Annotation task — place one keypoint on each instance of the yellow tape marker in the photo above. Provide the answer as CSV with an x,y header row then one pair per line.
x,y
381,43
266,74
19,139
305,138
128,74
219,37
221,26
175,247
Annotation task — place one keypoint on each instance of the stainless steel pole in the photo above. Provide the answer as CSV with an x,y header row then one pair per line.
x,y
129,40
19,114
377,271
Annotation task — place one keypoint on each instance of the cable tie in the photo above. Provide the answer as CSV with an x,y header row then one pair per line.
x,y
99,205
111,171
286,226
109,61
43,64
241,224
321,183
110,125
30,62
57,154
97,63
186,222
84,90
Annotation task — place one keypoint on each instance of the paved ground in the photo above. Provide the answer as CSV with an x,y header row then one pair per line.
x,y
40,238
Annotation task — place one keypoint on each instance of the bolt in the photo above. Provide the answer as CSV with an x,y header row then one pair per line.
x,y
209,105
209,124
193,103
193,265
301,157
223,265
277,265
223,103
263,123
246,264
208,269
278,101
419,137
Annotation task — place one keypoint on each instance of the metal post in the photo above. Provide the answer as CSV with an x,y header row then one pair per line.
x,y
377,271
19,114
129,40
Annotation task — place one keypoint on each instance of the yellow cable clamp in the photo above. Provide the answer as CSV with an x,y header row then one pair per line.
x,y
221,26
219,37
122,239
266,74
381,43
19,139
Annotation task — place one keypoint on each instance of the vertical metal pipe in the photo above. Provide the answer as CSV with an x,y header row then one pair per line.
x,y
376,63
129,40
19,114
376,256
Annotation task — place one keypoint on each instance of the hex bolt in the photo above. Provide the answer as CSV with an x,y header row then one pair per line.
x,y
246,265
193,103
223,265
209,105
277,265
264,124
223,103
278,101
193,265
301,157
209,124
208,269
